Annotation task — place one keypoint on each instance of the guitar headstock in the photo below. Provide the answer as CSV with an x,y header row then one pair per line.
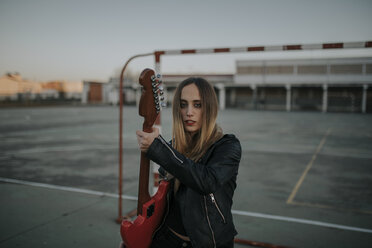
x,y
151,98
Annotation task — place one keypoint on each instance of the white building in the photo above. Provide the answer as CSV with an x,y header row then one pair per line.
x,y
326,84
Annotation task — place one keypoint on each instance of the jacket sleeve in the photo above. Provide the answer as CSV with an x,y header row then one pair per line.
x,y
204,178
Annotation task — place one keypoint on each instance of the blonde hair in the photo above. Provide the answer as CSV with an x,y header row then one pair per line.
x,y
195,146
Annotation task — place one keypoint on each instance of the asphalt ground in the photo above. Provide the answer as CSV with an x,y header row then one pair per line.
x,y
305,178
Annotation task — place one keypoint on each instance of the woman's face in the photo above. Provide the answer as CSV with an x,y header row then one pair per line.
x,y
191,109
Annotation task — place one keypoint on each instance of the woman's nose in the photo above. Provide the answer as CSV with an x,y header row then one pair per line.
x,y
189,111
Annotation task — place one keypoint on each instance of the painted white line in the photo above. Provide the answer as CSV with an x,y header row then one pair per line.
x,y
236,212
65,188
61,149
302,221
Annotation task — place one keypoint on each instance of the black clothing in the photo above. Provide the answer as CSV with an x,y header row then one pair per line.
x,y
174,216
165,238
205,201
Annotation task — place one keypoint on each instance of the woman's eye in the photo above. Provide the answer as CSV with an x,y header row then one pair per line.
x,y
183,105
197,105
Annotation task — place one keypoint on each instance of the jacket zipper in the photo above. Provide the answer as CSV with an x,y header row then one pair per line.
x,y
218,209
209,222
170,149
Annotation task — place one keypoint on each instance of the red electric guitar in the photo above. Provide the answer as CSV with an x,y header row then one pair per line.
x,y
150,210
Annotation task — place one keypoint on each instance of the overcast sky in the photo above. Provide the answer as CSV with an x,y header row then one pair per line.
x,y
91,39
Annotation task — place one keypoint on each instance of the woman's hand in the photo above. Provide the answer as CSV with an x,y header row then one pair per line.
x,y
145,139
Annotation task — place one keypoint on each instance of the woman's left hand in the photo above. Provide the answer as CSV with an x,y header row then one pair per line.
x,y
145,139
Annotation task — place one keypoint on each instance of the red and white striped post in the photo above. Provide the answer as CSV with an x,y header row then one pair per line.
x,y
293,47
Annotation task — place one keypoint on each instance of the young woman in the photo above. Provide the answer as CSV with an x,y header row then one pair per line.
x,y
204,165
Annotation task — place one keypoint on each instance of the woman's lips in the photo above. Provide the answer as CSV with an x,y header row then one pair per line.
x,y
189,122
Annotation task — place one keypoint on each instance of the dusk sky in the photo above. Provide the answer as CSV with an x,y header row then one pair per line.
x,y
90,39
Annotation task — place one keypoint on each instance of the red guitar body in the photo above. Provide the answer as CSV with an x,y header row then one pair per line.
x,y
150,210
139,234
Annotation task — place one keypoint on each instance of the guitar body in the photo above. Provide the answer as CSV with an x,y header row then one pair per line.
x,y
139,234
150,210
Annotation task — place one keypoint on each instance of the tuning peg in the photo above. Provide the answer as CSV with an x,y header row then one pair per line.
x,y
162,98
161,88
153,78
158,75
154,84
164,104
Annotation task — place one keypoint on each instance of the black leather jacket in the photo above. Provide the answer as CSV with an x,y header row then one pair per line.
x,y
210,183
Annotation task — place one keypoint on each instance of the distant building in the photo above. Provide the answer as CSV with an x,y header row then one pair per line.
x,y
93,92
63,89
130,91
335,84
98,92
108,92
9,87
13,88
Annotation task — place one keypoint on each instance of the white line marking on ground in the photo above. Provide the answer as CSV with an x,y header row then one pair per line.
x,y
236,212
302,221
61,149
65,188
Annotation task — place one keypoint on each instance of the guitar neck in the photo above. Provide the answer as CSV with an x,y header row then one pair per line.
x,y
149,108
143,187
